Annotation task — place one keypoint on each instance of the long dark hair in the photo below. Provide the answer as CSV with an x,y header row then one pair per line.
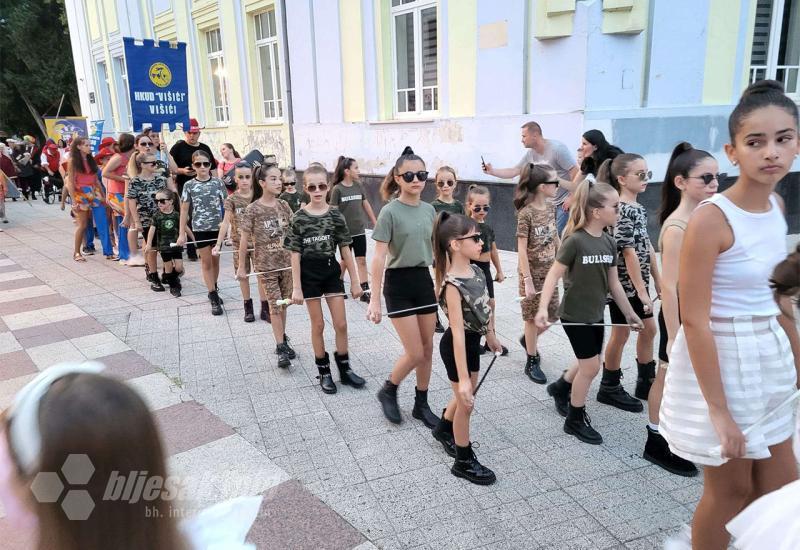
x,y
78,162
611,170
342,164
785,280
530,178
233,150
604,151
244,165
389,186
684,158
447,227
763,93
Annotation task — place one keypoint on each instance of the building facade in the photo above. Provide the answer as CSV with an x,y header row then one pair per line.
x,y
309,80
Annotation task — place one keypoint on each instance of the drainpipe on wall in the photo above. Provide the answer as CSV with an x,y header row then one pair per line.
x,y
288,80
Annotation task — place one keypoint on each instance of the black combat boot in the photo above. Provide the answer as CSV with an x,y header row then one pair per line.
x,y
612,393
579,424
155,283
559,391
656,450
468,467
387,395
265,311
249,316
443,433
647,374
216,303
422,411
325,378
346,374
533,369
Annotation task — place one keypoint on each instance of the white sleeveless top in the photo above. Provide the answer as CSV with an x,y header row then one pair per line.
x,y
740,284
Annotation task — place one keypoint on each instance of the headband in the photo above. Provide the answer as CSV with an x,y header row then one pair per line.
x,y
24,434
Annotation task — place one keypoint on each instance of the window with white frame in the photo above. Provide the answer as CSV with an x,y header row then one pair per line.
x,y
125,97
416,78
776,43
105,91
219,76
268,64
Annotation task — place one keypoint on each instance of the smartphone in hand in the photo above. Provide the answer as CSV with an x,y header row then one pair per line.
x,y
483,163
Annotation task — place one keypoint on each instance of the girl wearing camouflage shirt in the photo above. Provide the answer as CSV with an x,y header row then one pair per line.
x,y
317,230
204,196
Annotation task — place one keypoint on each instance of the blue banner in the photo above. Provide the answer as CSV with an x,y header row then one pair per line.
x,y
96,134
158,84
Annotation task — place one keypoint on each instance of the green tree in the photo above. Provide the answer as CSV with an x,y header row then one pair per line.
x,y
36,65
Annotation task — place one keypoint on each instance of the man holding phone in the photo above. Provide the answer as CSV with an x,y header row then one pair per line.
x,y
544,151
182,153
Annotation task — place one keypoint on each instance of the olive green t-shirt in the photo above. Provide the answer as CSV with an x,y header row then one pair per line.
x,y
454,207
317,236
349,201
487,236
587,259
407,230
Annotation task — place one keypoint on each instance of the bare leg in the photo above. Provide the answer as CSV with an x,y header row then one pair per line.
x,y
644,341
656,393
317,327
726,489
417,342
587,371
615,346
207,266
82,217
532,333
361,267
244,286
461,416
278,322
339,318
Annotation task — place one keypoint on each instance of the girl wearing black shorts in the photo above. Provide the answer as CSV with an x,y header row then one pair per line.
x,y
403,248
587,260
465,301
348,196
163,232
315,233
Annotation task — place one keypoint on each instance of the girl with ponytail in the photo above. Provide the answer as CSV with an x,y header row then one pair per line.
x,y
465,300
636,261
690,179
587,260
403,249
348,196
736,354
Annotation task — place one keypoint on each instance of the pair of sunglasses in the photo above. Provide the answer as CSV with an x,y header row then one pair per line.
x,y
312,188
446,183
201,164
708,178
163,201
644,176
146,143
475,237
148,162
292,183
481,208
408,177
244,176
552,182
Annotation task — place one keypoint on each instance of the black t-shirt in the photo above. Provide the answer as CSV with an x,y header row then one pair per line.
x,y
182,153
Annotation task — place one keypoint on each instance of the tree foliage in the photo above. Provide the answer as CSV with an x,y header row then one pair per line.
x,y
35,63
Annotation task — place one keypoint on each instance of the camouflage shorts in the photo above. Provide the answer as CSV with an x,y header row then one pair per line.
x,y
530,306
248,265
277,286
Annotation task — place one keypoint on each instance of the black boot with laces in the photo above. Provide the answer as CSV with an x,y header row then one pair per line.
x,y
443,433
325,378
468,467
579,424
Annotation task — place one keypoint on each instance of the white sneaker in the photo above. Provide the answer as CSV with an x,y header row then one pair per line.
x,y
136,261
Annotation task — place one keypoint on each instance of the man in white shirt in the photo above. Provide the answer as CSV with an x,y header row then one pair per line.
x,y
544,151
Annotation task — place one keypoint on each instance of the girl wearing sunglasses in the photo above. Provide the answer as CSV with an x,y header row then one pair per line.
x,y
445,200
403,248
164,231
293,197
204,196
628,174
683,189
478,205
465,301
141,202
316,232
245,193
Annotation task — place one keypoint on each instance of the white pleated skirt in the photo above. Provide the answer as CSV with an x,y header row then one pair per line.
x,y
757,369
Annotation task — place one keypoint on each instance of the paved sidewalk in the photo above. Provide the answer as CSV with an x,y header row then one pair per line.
x,y
390,483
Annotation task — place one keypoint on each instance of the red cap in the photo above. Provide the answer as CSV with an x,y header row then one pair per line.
x,y
107,142
194,126
103,153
